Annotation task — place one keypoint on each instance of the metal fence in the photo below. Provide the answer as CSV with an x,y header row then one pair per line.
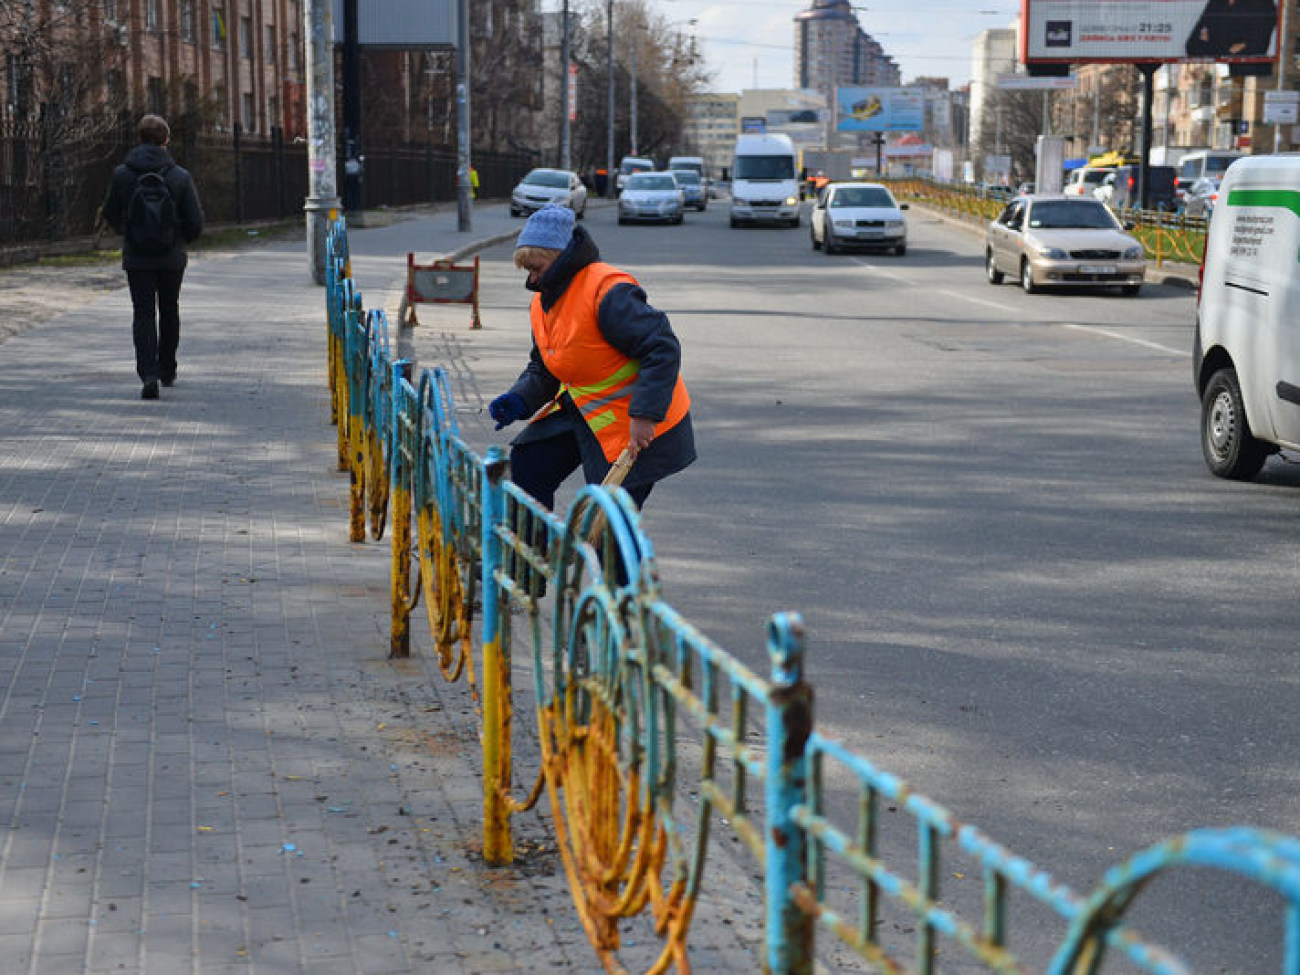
x,y
652,736
1165,236
54,177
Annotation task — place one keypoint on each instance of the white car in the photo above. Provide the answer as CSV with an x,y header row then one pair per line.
x,y
858,215
544,186
651,196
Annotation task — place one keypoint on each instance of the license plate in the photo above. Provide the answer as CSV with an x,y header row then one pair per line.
x,y
1096,268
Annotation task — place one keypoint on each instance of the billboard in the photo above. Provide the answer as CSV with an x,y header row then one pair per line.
x,y
797,116
405,24
879,109
1148,30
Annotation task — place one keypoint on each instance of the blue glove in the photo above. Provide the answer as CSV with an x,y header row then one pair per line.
x,y
507,408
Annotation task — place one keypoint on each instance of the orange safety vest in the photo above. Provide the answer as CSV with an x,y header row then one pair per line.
x,y
597,376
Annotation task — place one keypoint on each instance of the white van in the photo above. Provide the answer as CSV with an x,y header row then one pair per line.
x,y
629,165
764,180
695,163
1204,162
1246,361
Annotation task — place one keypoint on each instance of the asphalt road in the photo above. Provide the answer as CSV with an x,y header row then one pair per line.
x,y
1023,591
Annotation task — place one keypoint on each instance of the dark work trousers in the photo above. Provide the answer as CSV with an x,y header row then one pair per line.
x,y
540,467
156,324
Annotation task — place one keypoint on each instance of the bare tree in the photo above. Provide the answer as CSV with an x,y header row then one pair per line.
x,y
668,71
60,59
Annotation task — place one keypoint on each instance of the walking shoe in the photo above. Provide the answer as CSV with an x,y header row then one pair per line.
x,y
168,380
150,390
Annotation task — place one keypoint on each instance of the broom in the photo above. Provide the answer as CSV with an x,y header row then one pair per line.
x,y
618,471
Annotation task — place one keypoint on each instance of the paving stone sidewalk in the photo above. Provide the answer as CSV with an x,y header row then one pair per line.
x,y
207,763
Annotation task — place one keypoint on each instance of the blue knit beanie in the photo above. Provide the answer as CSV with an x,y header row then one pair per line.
x,y
550,227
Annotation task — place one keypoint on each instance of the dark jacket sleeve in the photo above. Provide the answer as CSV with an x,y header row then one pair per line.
x,y
642,332
535,385
114,208
189,209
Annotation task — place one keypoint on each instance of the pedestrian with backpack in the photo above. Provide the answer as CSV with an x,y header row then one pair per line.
x,y
153,204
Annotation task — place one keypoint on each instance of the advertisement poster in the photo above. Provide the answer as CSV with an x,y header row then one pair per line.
x,y
879,109
1149,30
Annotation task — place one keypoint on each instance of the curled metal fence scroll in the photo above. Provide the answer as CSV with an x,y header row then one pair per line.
x,y
651,735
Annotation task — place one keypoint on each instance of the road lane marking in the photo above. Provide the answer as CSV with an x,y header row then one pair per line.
x,y
1124,338
979,301
878,269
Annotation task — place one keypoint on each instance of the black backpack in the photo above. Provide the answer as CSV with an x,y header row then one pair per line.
x,y
151,216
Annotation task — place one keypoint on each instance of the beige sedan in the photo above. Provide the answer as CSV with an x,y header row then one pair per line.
x,y
1062,241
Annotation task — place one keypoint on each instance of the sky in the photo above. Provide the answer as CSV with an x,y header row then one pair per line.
x,y
750,43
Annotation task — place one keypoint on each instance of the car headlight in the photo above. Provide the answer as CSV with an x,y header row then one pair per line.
x,y
894,224
791,200
1133,253
1052,253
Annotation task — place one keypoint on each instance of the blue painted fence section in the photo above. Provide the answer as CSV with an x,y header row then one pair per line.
x,y
622,671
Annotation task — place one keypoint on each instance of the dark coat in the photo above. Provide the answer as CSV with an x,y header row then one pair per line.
x,y
1224,24
148,158
640,332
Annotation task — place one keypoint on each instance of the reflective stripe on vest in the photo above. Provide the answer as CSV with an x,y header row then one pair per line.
x,y
598,377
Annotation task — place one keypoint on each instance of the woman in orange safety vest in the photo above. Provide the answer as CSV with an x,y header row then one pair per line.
x,y
604,373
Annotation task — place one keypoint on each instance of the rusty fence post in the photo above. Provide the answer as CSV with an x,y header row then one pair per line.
x,y
498,847
401,468
789,706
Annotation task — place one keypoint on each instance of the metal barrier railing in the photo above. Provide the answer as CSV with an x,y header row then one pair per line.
x,y
636,708
1165,236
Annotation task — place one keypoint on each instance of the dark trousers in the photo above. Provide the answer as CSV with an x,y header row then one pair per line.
x,y
540,467
156,322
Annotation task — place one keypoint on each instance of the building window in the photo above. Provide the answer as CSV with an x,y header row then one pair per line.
x,y
187,20
270,45
110,11
157,103
151,16
246,37
218,28
293,52
223,108
18,83
249,123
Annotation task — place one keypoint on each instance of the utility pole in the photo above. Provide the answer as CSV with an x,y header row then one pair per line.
x,y
353,160
464,189
565,83
322,202
610,189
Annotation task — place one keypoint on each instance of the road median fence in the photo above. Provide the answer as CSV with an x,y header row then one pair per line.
x,y
1165,236
652,738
